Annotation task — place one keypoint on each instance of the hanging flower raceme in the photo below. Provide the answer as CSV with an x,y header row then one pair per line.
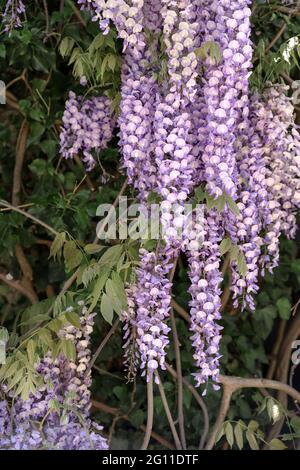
x,y
137,107
61,404
12,14
204,272
152,300
244,229
87,128
124,14
178,130
275,129
226,25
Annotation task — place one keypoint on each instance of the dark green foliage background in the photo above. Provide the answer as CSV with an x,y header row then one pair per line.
x,y
59,194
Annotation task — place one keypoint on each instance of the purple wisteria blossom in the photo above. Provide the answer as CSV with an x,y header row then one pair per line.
x,y
226,24
205,276
153,301
188,119
124,14
56,416
87,128
12,14
276,132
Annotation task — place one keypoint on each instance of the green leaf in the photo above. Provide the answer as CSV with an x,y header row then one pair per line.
x,y
111,256
49,147
45,337
220,434
67,347
107,309
73,318
111,291
98,288
284,308
31,351
97,43
200,194
90,272
232,205
55,325
11,370
277,444
120,289
225,246
234,252
72,255
39,167
2,51
66,46
241,264
137,418
253,425
238,433
17,378
209,49
229,433
92,248
4,337
57,244
252,440
36,131
295,423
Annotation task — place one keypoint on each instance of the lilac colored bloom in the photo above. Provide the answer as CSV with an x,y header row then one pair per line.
x,y
226,24
276,131
11,16
205,276
126,15
87,127
152,299
57,415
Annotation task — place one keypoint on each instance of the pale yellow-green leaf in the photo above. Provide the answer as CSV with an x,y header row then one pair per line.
x,y
72,255
57,244
277,444
238,433
229,433
107,309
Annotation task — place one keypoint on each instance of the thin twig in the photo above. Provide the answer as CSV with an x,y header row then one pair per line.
x,y
200,402
116,412
150,412
101,345
178,367
168,413
21,206
275,349
179,381
46,18
277,36
180,310
29,216
77,13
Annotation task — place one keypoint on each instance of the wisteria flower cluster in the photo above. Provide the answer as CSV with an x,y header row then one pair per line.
x,y
205,290
200,125
87,128
57,415
12,14
208,130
